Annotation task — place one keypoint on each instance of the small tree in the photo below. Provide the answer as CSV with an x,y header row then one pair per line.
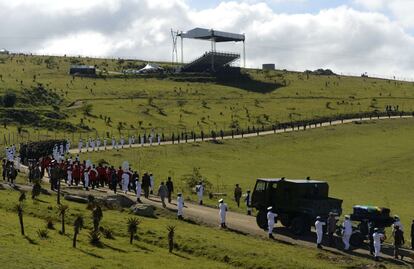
x,y
62,212
78,225
133,228
19,210
97,216
171,232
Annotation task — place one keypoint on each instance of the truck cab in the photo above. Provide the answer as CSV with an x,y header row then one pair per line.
x,y
296,201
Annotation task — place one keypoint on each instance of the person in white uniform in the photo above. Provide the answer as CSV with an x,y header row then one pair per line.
x,y
346,232
122,142
180,206
138,190
125,176
113,142
80,145
98,143
377,237
200,192
152,184
222,213
104,143
319,231
270,221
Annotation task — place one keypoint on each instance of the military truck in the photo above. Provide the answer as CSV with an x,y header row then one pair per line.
x,y
369,217
297,202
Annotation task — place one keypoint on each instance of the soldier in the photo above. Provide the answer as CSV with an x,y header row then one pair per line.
x,y
113,143
122,142
346,231
248,201
69,175
104,143
180,206
138,189
170,187
377,237
130,141
86,177
237,194
98,143
92,143
67,145
200,191
222,212
319,231
159,140
270,221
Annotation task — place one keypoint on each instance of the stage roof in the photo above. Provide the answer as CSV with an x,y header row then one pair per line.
x,y
206,34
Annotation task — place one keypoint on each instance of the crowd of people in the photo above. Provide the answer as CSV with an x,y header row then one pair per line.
x,y
75,172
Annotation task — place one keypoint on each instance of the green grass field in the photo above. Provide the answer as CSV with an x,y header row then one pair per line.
x,y
367,163
114,105
198,246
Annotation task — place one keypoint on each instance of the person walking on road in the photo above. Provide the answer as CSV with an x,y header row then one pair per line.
x,y
270,221
138,190
114,179
222,212
200,192
346,232
163,193
146,184
180,206
152,183
378,237
397,222
237,194
319,231
398,241
170,187
248,201
331,222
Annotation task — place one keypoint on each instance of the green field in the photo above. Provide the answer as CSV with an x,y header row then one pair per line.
x,y
198,246
71,107
367,163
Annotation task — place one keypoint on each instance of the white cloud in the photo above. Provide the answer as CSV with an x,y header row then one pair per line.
x,y
340,38
401,10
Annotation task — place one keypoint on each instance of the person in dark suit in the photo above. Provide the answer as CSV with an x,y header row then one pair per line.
x,y
146,183
170,187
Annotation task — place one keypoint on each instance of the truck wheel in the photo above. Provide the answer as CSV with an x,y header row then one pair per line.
x,y
299,226
285,220
261,220
357,239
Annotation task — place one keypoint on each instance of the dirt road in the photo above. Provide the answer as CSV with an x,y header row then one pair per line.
x,y
244,224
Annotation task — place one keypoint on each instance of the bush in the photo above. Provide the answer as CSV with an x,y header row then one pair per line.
x,y
107,233
43,233
9,99
95,238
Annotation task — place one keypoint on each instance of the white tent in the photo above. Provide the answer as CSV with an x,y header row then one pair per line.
x,y
150,68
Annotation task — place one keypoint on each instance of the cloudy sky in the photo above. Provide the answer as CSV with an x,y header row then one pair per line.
x,y
348,36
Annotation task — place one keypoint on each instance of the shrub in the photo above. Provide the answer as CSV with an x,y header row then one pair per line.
x,y
95,238
9,99
43,233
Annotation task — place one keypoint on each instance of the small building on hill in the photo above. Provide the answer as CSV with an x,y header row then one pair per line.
x,y
82,70
268,66
4,51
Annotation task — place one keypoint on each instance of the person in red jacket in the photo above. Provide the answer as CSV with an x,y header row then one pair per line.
x,y
108,177
93,177
76,173
101,175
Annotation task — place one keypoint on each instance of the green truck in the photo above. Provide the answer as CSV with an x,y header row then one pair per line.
x,y
296,201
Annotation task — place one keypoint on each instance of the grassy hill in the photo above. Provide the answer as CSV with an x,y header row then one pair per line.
x,y
365,163
197,246
52,103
